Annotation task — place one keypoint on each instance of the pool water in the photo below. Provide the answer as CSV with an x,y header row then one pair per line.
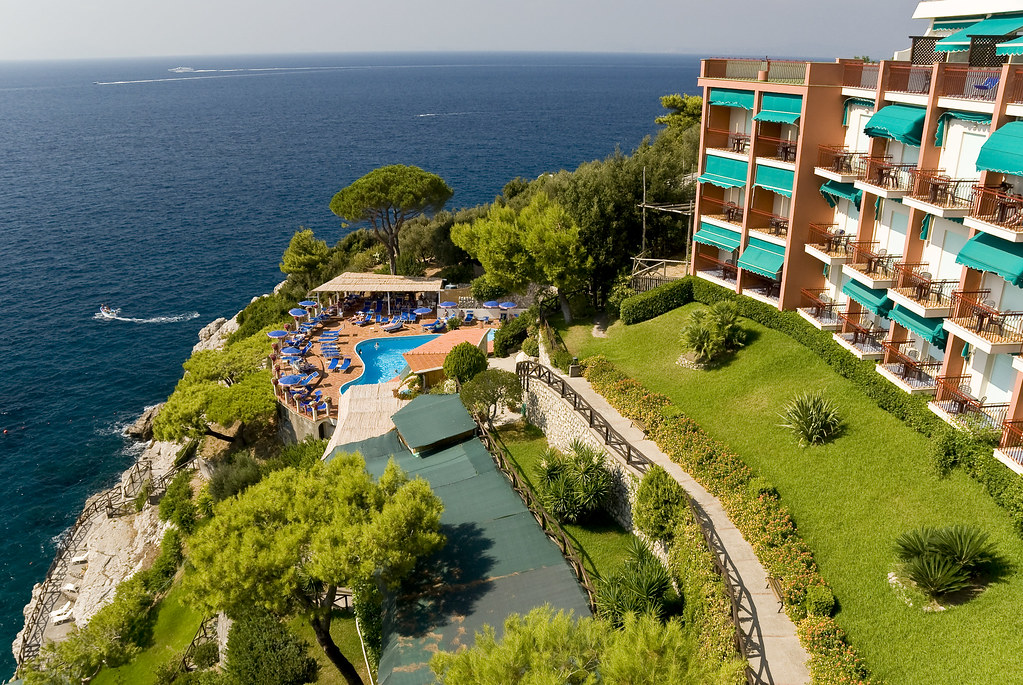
x,y
382,358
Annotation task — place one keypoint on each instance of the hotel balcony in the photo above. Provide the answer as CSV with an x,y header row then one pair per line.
x,y
779,149
974,319
908,83
818,308
727,141
859,335
955,405
916,290
829,244
939,194
881,176
997,212
714,270
760,288
969,83
837,163
903,366
774,70
860,76
727,214
870,265
771,227
1010,447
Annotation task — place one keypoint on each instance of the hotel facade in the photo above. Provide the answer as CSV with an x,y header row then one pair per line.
x,y
884,202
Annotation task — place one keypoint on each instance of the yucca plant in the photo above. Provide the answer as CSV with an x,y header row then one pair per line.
x,y
968,546
937,575
725,316
575,486
640,585
812,417
915,543
701,337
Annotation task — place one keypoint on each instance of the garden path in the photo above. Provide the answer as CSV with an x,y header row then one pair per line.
x,y
775,654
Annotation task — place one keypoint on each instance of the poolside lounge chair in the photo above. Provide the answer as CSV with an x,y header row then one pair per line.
x,y
64,609
394,327
468,317
989,83
332,366
69,590
62,617
345,363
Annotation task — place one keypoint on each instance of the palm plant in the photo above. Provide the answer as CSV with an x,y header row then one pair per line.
x,y
968,546
914,543
701,337
812,417
937,575
725,315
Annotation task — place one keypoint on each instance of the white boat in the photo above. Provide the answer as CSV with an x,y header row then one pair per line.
x,y
181,70
108,312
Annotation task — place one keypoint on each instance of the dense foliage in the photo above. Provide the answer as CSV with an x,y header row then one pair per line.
x,y
945,560
641,585
261,649
176,505
511,334
493,388
576,486
464,362
659,504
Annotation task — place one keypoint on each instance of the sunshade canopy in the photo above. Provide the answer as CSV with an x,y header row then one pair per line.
x,y
928,329
724,172
1003,150
875,300
995,26
901,123
728,97
762,257
718,237
976,117
853,102
775,179
986,252
781,108
354,282
833,191
429,420
1011,47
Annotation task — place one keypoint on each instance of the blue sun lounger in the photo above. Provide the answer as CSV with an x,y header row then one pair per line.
x,y
393,327
345,363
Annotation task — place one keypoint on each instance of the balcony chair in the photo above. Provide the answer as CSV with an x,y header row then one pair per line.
x,y
989,83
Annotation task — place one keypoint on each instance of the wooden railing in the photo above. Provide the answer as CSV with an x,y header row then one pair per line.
x,y
883,173
909,78
998,207
1011,442
729,272
728,211
861,75
916,283
972,310
839,159
732,140
766,222
913,370
860,326
871,260
954,398
960,82
819,305
826,238
777,148
941,190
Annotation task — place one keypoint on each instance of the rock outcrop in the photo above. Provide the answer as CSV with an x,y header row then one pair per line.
x,y
213,335
142,429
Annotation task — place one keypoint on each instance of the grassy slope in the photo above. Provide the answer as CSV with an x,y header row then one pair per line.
x,y
850,498
342,629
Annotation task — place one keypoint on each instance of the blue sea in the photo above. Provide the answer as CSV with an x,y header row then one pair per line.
x,y
171,195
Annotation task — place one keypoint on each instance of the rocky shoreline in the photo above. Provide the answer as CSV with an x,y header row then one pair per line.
x,y
112,549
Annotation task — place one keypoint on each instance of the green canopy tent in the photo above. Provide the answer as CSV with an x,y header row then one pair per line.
x,y
873,300
985,252
762,257
902,123
1002,152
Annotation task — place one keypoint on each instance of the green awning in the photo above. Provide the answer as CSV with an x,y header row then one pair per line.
x,y
727,97
954,24
939,135
995,26
875,300
928,329
833,190
986,252
762,257
852,102
718,237
774,179
903,123
1003,150
724,172
780,108
1012,47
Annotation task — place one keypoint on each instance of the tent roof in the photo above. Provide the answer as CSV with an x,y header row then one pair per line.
x,y
429,420
351,282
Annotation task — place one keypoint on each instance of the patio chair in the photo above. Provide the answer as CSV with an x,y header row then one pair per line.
x,y
345,363
80,559
989,83
394,327
57,619
469,317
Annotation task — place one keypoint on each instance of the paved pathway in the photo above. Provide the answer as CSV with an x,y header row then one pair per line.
x,y
775,654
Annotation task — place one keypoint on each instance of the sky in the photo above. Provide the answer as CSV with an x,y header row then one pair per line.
x,y
85,29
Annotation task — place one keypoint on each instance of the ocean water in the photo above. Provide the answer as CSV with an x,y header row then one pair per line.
x,y
171,195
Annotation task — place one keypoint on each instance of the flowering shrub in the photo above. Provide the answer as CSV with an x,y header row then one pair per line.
x,y
832,660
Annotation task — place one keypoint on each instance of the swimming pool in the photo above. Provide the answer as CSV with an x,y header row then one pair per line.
x,y
381,357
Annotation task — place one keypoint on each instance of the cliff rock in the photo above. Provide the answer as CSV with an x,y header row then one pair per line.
x,y
142,429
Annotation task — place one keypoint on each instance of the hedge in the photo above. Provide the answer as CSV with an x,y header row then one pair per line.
x,y
754,509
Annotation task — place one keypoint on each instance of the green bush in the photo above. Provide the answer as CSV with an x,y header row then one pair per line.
x,y
367,604
832,660
820,601
233,476
944,560
260,313
406,264
574,487
657,301
620,291
177,505
511,333
701,337
454,323
659,501
464,361
812,417
483,289
206,655
456,273
261,649
641,586
159,576
936,575
531,347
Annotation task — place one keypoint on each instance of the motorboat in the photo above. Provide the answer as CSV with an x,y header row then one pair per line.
x,y
108,312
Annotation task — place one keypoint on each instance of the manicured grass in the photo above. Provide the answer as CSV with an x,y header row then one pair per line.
x,y
850,498
342,629
603,545
176,624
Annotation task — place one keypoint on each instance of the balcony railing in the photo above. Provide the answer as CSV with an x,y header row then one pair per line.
x,y
839,159
905,362
997,207
729,140
872,261
861,75
817,303
914,282
766,222
1015,91
970,83
778,71
711,266
883,173
720,209
829,238
859,330
1011,444
909,78
938,189
974,311
777,148
953,397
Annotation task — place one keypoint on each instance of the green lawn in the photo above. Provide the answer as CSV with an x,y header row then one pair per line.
x,y
850,498
342,629
603,545
176,624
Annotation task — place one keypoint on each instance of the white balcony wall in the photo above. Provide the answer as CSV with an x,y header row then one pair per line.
x,y
992,377
782,205
890,234
1007,297
736,195
741,120
944,242
963,141
789,132
847,217
902,154
855,138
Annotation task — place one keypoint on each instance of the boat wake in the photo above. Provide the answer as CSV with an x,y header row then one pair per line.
x,y
115,315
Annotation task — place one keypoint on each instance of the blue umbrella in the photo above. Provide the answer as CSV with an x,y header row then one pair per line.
x,y
278,334
448,304
306,303
297,312
421,311
507,305
491,303
291,350
289,380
